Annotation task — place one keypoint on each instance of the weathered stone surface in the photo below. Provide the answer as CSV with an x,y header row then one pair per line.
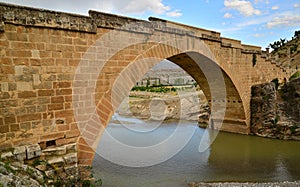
x,y
50,173
71,147
71,158
27,176
33,151
20,153
41,167
276,113
55,151
58,161
71,170
7,155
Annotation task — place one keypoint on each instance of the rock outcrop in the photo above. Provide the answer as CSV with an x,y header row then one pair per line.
x,y
276,113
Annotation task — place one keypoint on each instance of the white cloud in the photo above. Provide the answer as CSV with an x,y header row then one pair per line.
x,y
285,20
257,35
227,15
174,13
110,6
244,7
275,7
261,1
296,5
134,6
137,7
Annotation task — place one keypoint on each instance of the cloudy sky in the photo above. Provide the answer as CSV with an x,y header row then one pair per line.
x,y
256,22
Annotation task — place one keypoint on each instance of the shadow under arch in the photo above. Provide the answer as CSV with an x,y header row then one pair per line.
x,y
234,119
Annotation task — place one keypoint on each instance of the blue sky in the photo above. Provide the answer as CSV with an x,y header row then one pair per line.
x,y
255,22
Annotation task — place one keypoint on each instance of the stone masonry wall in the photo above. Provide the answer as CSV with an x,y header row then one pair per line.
x,y
40,51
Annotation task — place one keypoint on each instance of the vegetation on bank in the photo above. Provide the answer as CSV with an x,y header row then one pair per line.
x,y
286,53
282,42
162,88
159,89
295,76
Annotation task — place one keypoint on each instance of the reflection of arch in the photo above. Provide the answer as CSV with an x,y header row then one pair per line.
x,y
120,73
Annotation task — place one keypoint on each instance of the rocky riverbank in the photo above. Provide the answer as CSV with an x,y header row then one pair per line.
x,y
275,111
239,184
164,106
42,165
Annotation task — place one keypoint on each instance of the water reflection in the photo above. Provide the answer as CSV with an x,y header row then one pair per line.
x,y
231,157
246,158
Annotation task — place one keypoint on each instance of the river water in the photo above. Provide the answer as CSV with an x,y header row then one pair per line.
x,y
230,157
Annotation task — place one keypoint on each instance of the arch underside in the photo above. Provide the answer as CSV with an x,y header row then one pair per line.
x,y
119,75
234,119
225,96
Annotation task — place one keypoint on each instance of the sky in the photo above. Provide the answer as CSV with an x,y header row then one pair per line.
x,y
254,22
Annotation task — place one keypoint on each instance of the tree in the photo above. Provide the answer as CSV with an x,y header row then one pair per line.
x,y
282,42
276,45
297,34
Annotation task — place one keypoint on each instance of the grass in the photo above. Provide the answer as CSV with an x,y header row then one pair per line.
x,y
294,76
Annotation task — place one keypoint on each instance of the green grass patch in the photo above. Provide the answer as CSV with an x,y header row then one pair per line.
x,y
295,76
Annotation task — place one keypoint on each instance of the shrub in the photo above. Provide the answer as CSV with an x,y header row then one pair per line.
x,y
276,82
294,76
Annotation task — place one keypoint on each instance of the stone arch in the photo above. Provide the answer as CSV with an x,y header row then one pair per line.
x,y
115,77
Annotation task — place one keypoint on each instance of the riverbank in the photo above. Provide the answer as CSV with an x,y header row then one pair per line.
x,y
186,105
246,184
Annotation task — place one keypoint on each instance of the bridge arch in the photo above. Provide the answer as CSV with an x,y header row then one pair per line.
x,y
57,74
114,78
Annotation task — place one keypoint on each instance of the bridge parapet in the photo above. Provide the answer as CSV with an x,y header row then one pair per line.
x,y
20,15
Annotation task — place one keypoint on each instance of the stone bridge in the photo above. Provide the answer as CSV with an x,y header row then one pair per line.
x,y
63,75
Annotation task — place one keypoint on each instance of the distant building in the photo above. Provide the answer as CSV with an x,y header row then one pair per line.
x,y
166,77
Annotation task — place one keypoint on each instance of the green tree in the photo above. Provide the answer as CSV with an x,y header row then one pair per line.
x,y
297,34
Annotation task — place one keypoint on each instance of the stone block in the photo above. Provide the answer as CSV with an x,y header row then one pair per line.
x,y
55,151
71,158
7,155
45,93
58,99
29,117
50,173
10,120
56,162
72,133
71,170
20,153
33,151
71,147
26,94
35,53
24,86
4,87
56,106
4,129
52,136
65,141
41,167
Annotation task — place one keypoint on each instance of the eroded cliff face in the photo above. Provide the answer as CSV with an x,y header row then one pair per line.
x,y
276,113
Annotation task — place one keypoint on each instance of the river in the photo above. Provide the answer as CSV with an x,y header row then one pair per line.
x,y
230,157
